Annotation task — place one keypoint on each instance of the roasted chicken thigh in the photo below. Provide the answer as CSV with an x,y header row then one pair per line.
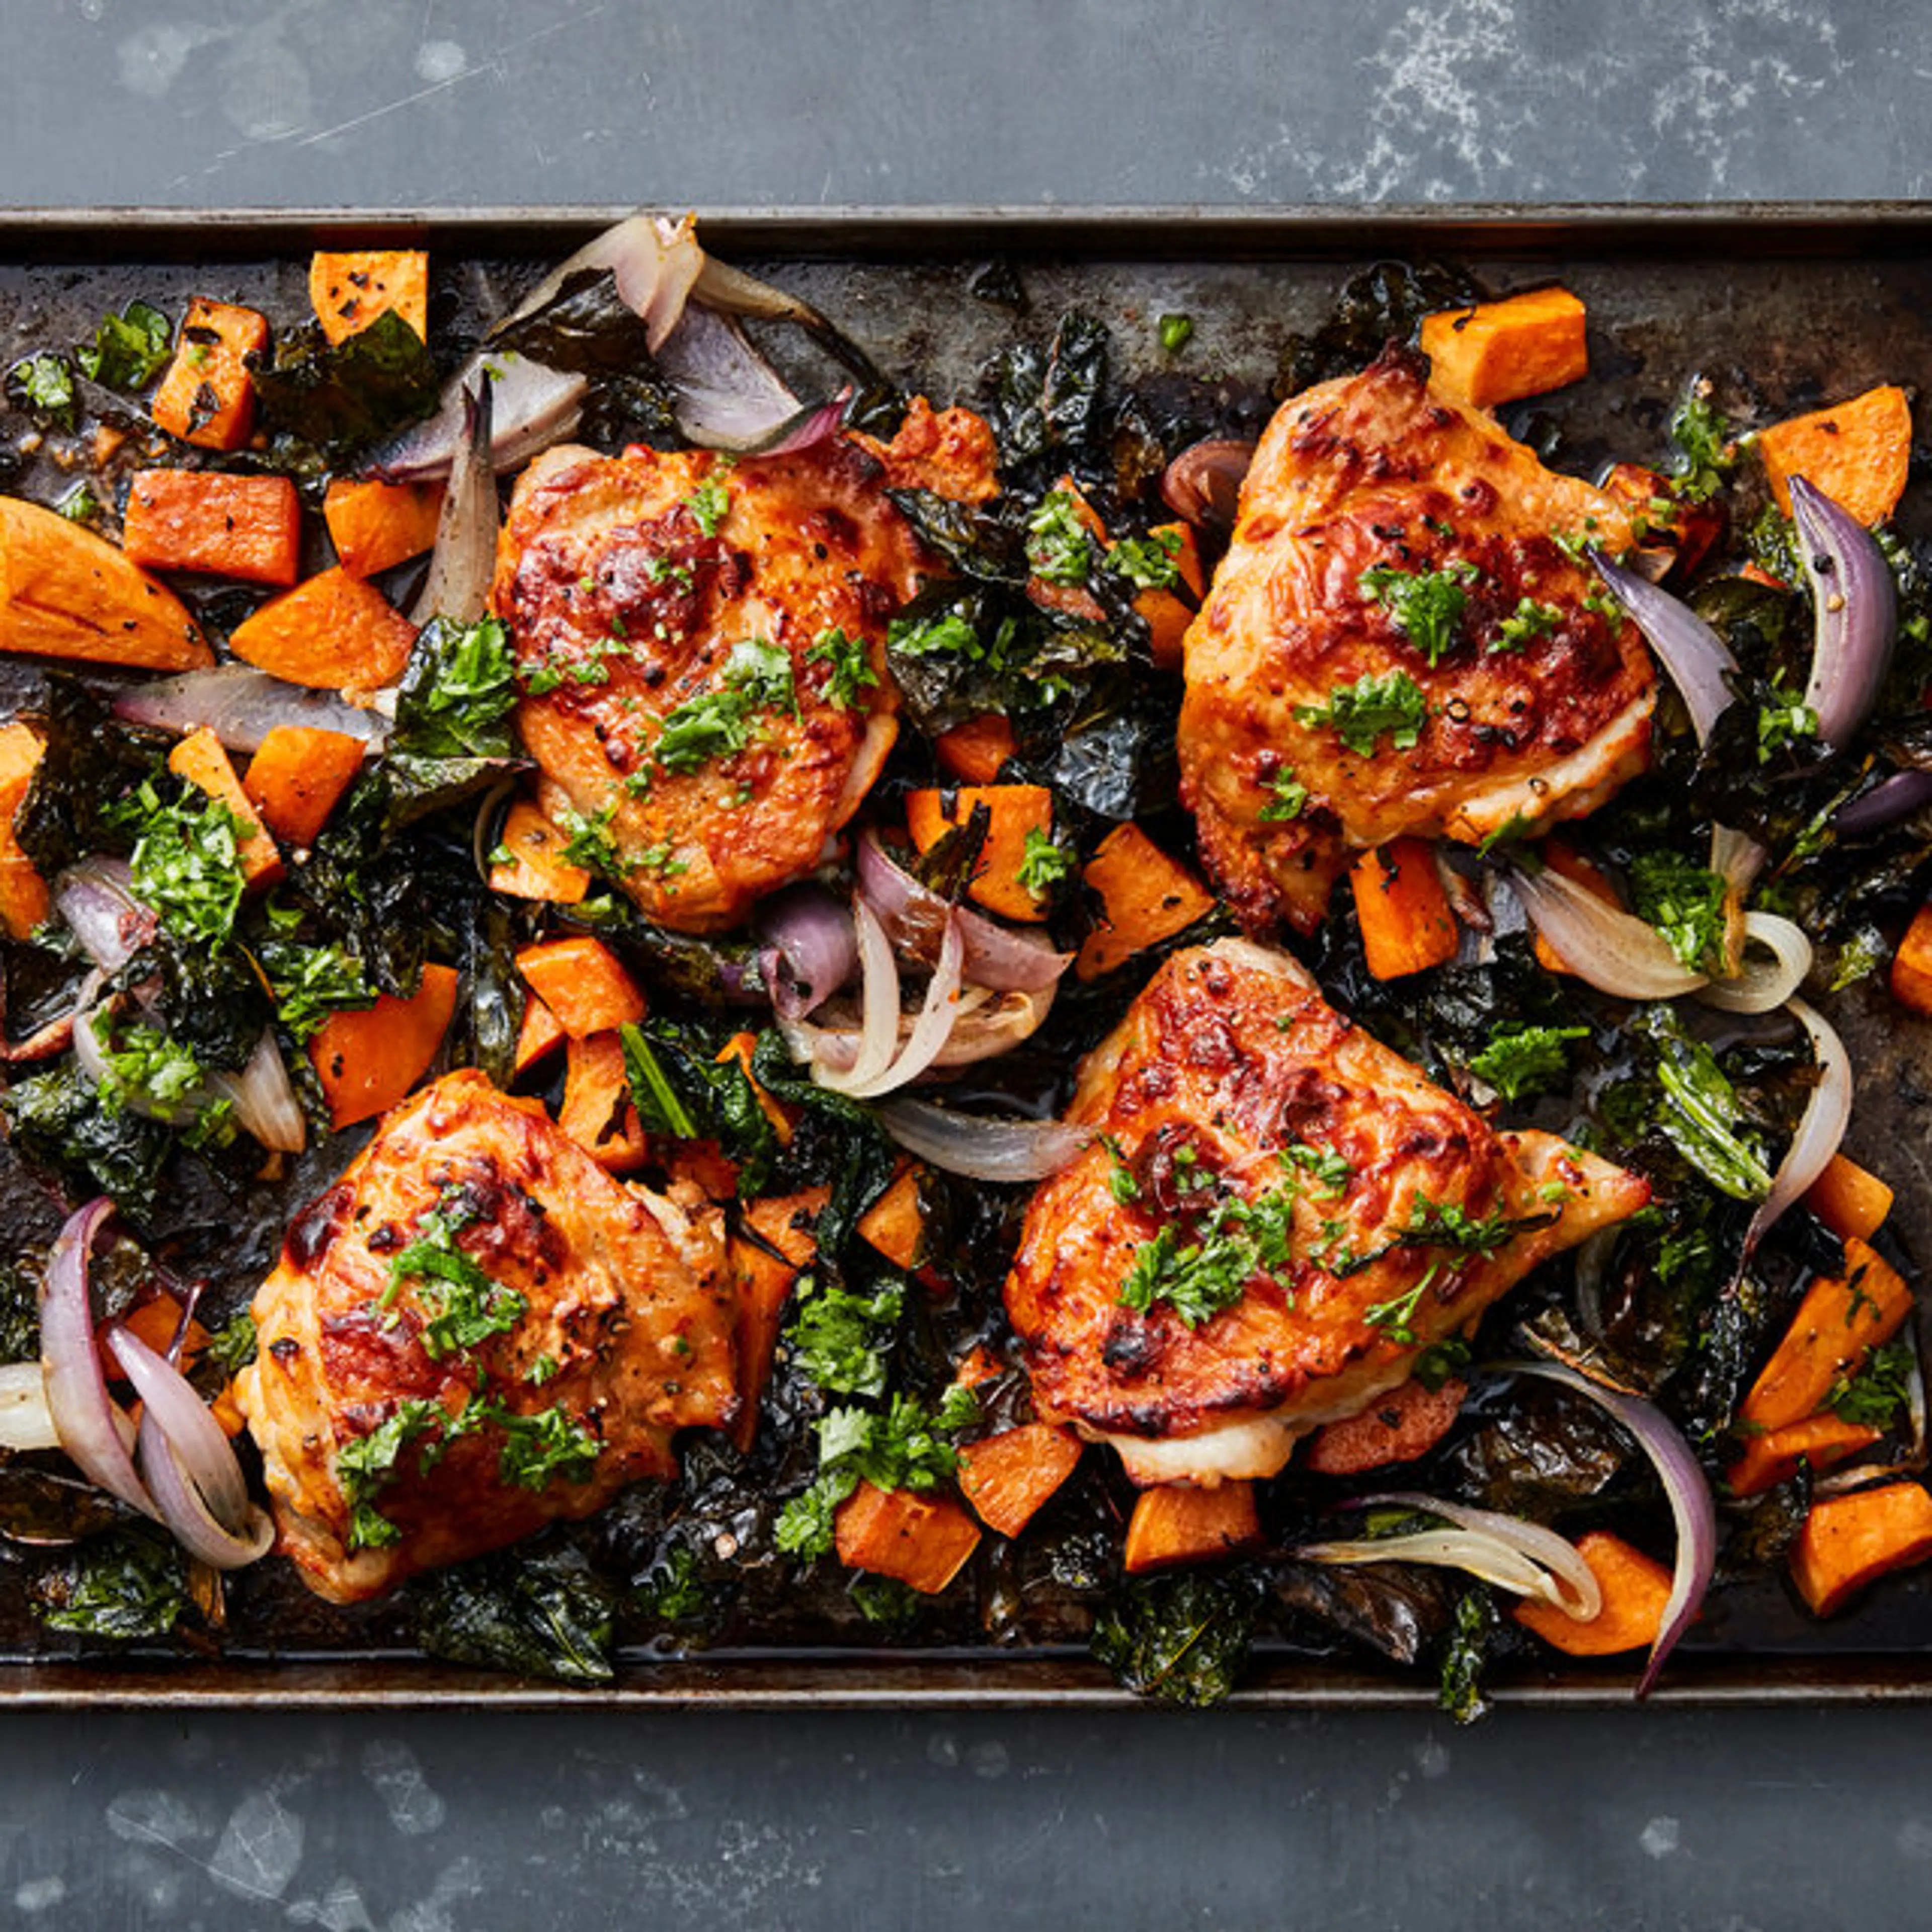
x,y
1403,637
1276,1217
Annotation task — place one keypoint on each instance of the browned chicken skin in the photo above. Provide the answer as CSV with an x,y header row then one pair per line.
x,y
1524,725
639,586
606,1326
1231,1078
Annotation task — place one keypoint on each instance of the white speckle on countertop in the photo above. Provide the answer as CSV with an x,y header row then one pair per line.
x,y
1431,1759
458,1883
152,58
438,61
990,1759
942,1750
339,1909
391,1767
38,1894
1660,1837
260,1847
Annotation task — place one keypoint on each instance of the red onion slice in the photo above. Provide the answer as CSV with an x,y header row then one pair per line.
x,y
1615,951
728,396
532,407
931,1030
816,423
1571,1584
264,1098
85,1416
241,705
1896,797
1854,598
980,1149
1761,986
1202,485
1482,1553
654,263
189,1519
809,949
96,898
169,1400
879,995
1691,1506
1827,1114
26,1422
1697,658
464,560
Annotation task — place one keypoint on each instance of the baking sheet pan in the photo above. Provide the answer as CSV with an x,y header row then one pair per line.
x,y
1797,305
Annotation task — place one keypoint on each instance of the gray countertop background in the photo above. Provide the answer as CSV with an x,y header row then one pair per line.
x,y
1723,1819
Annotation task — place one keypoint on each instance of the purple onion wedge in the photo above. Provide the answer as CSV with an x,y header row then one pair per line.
x,y
1698,660
1855,599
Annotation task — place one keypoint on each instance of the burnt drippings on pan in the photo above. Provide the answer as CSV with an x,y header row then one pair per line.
x,y
1065,532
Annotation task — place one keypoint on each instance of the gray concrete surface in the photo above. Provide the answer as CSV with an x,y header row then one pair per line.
x,y
1719,1821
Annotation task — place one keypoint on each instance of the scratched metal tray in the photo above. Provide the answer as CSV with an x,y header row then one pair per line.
x,y
1795,305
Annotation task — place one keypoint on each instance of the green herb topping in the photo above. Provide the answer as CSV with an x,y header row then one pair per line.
x,y
1360,713
1427,605
1058,546
850,675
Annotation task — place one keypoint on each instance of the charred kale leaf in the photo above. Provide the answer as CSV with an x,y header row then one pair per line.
x,y
539,1614
1183,1639
128,1584
681,1089
323,402
458,693
57,1120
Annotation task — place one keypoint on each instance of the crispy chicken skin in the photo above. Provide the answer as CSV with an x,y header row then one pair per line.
x,y
623,609
1228,1059
624,1337
1542,723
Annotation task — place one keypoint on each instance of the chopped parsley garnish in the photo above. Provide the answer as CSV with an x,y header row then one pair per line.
x,y
1529,621
1706,453
1151,562
1427,605
903,1448
850,674
950,635
1058,548
587,841
708,503
365,1466
1176,332
44,384
80,505
468,1306
1393,1317
1448,1224
187,863
1685,903
1323,1164
1360,713
310,983
840,1337
231,1347
1783,721
1524,1060
1874,1397
537,1448
1198,1278
1043,864
1442,1362
128,349
142,1066
1287,796
459,691
717,724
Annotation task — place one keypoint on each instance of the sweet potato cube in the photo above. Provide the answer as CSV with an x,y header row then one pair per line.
x,y
24,899
976,751
1849,1200
895,1224
350,290
298,778
65,592
597,1112
1145,897
764,1282
201,759
207,396
583,983
1015,811
540,1034
1635,1589
333,633
536,868
202,520
1772,1458
1500,352
366,1061
1168,613
740,1047
1173,1525
1911,965
1857,453
1850,1541
1407,925
375,526
1007,1477
923,1541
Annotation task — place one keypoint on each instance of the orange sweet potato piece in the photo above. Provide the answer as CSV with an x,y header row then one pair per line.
x,y
207,396
1007,1477
540,1035
221,526
740,1047
923,1541
366,1061
156,1321
1398,1427
583,983
1849,1541
350,290
298,777
1498,352
1911,965
1145,897
1173,1525
333,633
597,1112
1820,1440
895,1224
976,751
65,592
1849,1200
1635,1589
375,525
24,899
1015,811
201,759
1169,613
1838,1324
1857,453
1407,925
536,868
764,1283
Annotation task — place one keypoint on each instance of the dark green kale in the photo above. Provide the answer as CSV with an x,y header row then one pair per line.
x,y
128,1584
683,1090
57,1120
837,1143
19,1313
1183,1638
1039,404
1464,1654
1698,1110
129,349
79,801
458,693
321,404
1521,1061
541,1614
